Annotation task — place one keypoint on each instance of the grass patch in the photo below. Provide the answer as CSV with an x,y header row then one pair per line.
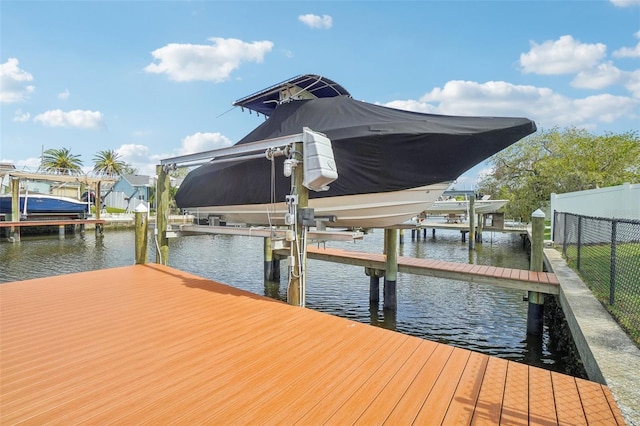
x,y
595,269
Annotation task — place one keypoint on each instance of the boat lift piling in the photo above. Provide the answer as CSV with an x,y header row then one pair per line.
x,y
535,311
15,207
141,234
391,274
162,211
472,224
271,262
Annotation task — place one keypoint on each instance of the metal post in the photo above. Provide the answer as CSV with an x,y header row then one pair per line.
x,y
391,273
535,320
612,275
579,242
141,224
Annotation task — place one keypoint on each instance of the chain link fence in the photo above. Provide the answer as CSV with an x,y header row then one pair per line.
x,y
606,254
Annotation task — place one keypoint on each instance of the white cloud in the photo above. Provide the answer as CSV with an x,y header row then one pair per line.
x,y
21,117
134,152
543,105
317,22
199,142
215,62
64,95
14,81
76,118
562,56
139,157
632,83
599,77
625,3
629,52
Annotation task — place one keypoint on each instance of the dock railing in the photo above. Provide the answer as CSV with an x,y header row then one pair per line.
x,y
606,254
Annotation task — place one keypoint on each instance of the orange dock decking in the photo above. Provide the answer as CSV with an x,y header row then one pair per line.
x,y
148,344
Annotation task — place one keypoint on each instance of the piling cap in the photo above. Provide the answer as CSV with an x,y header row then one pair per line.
x,y
537,213
141,208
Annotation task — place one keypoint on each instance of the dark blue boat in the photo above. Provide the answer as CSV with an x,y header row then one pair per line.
x,y
43,205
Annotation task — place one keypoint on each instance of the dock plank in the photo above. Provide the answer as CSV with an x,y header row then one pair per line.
x,y
407,409
489,405
542,409
515,405
437,403
466,395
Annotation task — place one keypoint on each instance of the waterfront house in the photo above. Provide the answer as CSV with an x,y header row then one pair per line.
x,y
129,191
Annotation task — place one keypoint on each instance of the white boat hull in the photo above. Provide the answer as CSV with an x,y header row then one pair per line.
x,y
378,210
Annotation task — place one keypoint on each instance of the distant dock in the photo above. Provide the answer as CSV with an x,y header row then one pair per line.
x,y
149,343
12,230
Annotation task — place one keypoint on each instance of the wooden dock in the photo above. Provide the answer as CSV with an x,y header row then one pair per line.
x,y
52,222
148,344
542,282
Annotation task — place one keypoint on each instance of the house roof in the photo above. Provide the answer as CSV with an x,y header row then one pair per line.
x,y
138,180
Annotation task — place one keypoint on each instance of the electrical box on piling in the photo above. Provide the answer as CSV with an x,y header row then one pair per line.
x,y
318,162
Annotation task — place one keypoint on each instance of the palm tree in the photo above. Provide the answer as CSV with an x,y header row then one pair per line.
x,y
108,163
61,161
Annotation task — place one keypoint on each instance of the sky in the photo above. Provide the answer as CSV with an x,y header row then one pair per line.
x,y
157,79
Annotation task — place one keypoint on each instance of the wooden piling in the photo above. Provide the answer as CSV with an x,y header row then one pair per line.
x,y
15,207
141,234
535,309
271,263
480,225
391,273
374,283
296,288
162,215
472,224
99,230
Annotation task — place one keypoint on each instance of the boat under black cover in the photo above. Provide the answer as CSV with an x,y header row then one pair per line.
x,y
376,149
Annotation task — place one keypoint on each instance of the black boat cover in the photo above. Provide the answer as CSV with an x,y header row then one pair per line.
x,y
376,149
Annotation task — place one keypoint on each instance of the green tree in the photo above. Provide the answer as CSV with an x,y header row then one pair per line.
x,y
108,163
560,161
61,161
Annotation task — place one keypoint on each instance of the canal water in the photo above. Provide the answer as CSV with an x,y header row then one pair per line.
x,y
479,317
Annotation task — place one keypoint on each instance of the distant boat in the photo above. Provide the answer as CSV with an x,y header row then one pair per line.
x,y
392,164
34,205
453,206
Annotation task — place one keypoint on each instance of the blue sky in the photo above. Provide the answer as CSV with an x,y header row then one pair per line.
x,y
155,79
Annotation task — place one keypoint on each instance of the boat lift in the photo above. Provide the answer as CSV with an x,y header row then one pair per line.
x,y
311,166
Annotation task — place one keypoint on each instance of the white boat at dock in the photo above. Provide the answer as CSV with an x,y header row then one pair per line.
x,y
455,206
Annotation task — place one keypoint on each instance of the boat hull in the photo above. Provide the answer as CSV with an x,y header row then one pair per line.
x,y
377,210
46,205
